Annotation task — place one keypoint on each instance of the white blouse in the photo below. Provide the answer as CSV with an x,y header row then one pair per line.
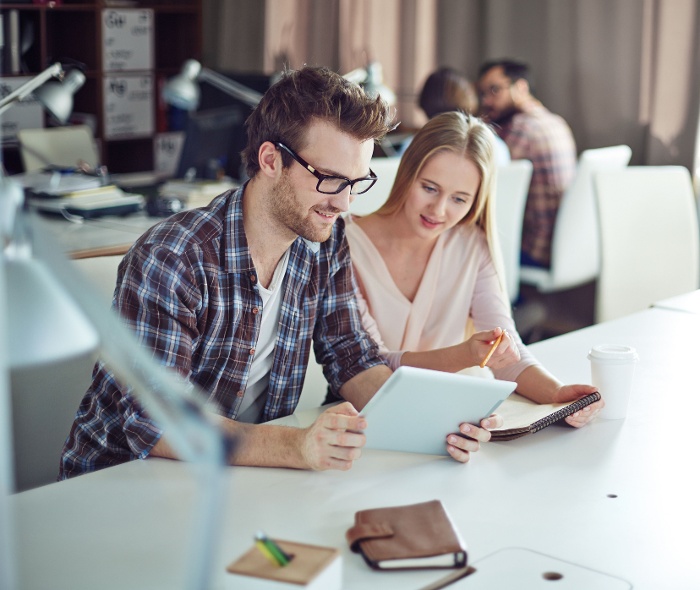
x,y
459,282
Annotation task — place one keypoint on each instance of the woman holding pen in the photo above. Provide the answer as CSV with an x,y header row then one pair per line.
x,y
428,261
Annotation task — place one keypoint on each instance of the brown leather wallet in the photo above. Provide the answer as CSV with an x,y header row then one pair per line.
x,y
417,536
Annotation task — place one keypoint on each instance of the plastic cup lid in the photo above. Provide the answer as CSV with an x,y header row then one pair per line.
x,y
613,352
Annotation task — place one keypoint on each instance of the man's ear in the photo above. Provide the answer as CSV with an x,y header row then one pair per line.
x,y
270,160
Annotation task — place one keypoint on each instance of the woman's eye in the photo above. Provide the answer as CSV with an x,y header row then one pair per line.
x,y
429,189
460,200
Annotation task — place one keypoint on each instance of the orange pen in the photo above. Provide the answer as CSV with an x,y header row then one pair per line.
x,y
494,346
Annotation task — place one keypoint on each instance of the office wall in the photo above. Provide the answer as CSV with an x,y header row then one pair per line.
x,y
620,71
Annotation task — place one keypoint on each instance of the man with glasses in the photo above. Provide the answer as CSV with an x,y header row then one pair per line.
x,y
232,295
533,133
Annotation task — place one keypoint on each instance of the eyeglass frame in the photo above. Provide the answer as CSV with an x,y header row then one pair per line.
x,y
494,90
321,177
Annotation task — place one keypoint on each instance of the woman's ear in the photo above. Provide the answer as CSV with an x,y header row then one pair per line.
x,y
270,160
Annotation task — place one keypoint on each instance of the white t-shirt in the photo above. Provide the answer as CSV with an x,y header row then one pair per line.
x,y
254,398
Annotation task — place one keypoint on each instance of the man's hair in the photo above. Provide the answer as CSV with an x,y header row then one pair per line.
x,y
514,69
312,93
447,90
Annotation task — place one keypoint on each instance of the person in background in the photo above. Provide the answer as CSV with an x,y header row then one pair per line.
x,y
448,90
533,133
428,261
232,295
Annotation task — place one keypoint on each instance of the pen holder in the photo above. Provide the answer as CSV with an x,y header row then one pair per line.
x,y
312,567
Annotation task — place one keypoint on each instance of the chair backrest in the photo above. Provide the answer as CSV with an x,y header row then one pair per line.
x,y
512,184
575,239
60,146
385,169
101,271
649,238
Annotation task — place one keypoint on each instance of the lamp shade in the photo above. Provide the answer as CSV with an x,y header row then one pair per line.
x,y
45,324
182,91
57,97
374,84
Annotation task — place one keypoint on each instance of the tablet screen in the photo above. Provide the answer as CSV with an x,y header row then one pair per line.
x,y
416,409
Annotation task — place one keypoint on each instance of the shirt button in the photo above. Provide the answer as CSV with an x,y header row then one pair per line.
x,y
251,351
255,310
239,393
253,279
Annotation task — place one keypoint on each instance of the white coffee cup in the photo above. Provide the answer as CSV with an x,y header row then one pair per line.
x,y
612,372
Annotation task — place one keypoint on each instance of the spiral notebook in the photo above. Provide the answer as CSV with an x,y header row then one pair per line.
x,y
522,416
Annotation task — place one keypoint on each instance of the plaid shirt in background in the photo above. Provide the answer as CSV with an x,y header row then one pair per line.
x,y
546,140
188,289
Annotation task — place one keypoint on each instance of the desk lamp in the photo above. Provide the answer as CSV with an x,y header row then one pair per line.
x,y
50,312
371,78
56,96
178,407
182,91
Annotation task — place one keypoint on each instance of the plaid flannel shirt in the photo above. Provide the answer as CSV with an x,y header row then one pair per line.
x,y
546,140
188,289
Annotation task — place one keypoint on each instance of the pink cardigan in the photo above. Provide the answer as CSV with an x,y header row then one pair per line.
x,y
460,281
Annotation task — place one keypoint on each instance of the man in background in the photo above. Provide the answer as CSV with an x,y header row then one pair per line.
x,y
446,90
532,133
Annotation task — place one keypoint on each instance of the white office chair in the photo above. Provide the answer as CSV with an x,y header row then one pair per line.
x,y
45,399
649,238
60,146
575,240
385,169
512,184
102,273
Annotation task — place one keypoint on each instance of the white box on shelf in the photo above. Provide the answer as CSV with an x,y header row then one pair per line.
x,y
26,114
128,106
127,39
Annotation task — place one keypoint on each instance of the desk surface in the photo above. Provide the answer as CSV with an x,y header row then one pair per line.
x,y
688,302
104,236
620,497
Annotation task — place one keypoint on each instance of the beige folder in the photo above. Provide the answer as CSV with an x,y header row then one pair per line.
x,y
58,146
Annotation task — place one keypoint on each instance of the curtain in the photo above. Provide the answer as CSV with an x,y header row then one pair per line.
x,y
619,71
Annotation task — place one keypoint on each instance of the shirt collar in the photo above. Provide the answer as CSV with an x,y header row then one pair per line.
x,y
236,245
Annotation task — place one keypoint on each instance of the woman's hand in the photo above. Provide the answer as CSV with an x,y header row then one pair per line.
x,y
481,343
570,393
468,440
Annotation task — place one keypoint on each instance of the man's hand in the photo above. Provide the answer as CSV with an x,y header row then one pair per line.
x,y
460,447
335,439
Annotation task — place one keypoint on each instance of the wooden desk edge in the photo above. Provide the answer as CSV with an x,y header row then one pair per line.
x,y
116,250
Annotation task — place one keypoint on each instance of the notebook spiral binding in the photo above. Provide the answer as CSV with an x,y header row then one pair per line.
x,y
567,411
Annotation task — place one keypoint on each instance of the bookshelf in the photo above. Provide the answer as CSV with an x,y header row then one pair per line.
x,y
108,38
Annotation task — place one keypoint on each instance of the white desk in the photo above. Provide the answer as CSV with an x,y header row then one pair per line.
x,y
128,526
688,302
97,237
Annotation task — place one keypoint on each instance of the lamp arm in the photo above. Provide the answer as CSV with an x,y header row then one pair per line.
x,y
54,71
177,406
230,87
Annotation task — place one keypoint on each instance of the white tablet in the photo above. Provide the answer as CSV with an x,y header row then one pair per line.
x,y
416,409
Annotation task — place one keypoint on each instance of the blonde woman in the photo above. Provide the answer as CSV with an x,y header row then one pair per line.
x,y
428,261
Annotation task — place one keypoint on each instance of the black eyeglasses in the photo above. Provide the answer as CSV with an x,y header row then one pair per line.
x,y
493,90
332,185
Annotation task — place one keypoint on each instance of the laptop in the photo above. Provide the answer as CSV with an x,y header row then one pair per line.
x,y
416,409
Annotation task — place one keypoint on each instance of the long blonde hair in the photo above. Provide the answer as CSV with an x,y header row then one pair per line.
x,y
464,135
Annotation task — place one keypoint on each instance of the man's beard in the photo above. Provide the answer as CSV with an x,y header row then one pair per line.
x,y
503,116
288,210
